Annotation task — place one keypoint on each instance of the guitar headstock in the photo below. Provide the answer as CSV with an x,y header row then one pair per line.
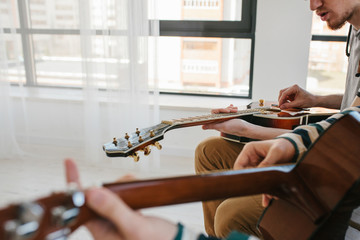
x,y
140,140
52,217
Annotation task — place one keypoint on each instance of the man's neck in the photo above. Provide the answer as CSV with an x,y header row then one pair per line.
x,y
355,19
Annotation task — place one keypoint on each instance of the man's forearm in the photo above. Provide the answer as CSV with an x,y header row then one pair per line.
x,y
264,133
329,101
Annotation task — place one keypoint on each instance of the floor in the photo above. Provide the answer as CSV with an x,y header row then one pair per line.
x,y
33,176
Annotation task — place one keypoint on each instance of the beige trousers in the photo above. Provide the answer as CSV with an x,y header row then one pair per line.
x,y
226,215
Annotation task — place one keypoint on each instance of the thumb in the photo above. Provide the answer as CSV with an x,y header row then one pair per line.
x,y
111,207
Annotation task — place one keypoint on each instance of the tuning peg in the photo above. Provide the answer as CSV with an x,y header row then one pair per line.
x,y
129,144
147,150
141,139
27,223
152,134
261,102
135,156
64,215
137,131
115,141
126,136
157,145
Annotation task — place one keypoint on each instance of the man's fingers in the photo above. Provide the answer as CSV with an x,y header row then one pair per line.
x,y
250,156
285,97
289,105
281,93
72,173
228,109
266,200
126,178
271,158
111,207
281,152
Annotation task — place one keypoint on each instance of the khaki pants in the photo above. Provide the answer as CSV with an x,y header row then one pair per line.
x,y
226,215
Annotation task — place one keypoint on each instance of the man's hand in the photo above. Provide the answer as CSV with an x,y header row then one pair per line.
x,y
229,109
295,96
119,221
264,154
234,126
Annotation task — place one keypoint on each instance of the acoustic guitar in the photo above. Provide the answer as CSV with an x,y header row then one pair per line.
x,y
266,115
316,196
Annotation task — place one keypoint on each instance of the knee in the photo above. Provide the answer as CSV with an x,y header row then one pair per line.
x,y
227,220
203,152
239,214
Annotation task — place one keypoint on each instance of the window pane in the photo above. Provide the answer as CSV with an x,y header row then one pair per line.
x,y
320,27
15,72
9,16
229,10
57,60
60,14
64,14
327,67
202,65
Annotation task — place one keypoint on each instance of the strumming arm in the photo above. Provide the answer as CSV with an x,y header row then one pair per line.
x,y
329,101
262,133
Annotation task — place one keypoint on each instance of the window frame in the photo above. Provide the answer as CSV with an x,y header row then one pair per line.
x,y
244,29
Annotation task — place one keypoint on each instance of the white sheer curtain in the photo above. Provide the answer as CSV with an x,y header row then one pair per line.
x,y
112,96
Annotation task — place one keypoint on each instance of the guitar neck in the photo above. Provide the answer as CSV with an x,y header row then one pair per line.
x,y
177,190
166,191
205,119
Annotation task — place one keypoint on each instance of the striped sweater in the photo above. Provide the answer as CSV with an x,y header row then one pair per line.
x,y
302,137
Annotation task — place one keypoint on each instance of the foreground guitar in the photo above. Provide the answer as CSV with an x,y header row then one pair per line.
x,y
268,116
316,195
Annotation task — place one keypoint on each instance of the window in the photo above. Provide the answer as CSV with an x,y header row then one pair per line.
x,y
205,46
211,44
327,59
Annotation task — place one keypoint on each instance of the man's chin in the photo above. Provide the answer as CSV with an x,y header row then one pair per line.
x,y
335,26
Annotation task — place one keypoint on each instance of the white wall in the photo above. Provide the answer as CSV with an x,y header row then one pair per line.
x,y
281,58
283,34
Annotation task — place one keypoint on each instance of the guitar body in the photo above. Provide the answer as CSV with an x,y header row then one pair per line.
x,y
331,173
289,119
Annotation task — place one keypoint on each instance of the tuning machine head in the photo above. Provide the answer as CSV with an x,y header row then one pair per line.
x,y
152,133
146,150
135,156
261,102
115,142
27,223
157,145
65,214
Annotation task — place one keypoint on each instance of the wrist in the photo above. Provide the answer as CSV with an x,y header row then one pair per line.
x,y
185,233
317,101
328,101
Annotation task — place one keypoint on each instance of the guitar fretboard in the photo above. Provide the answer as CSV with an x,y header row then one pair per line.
x,y
210,117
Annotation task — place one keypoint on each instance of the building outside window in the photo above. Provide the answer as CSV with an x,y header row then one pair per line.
x,y
205,47
327,59
204,65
